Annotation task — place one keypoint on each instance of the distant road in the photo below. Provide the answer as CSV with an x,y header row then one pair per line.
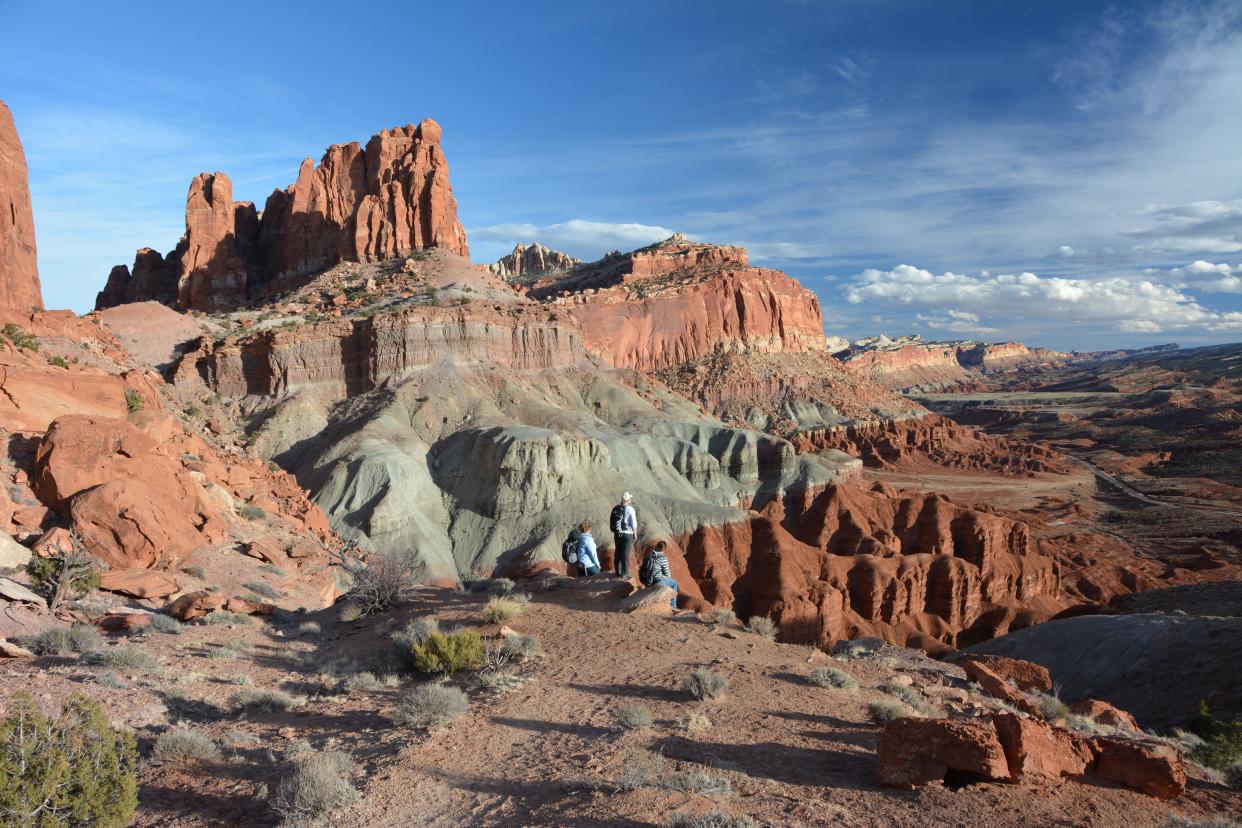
x,y
1134,493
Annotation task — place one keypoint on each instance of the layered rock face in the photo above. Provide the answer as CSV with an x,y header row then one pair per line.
x,y
19,270
844,562
386,200
531,261
909,363
346,357
679,301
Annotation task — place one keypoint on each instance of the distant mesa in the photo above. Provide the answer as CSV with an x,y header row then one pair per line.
x,y
531,261
19,270
390,199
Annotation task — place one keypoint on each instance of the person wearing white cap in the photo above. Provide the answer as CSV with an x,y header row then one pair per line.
x,y
624,524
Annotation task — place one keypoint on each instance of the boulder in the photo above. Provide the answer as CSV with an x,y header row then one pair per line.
x,y
1105,714
1035,749
122,621
10,650
55,541
138,583
12,553
1154,769
1025,674
195,605
998,688
652,600
916,752
14,591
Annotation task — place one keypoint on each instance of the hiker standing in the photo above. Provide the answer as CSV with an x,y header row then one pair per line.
x,y
624,524
588,558
655,570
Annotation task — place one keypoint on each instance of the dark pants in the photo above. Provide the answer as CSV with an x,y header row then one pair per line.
x,y
584,571
621,557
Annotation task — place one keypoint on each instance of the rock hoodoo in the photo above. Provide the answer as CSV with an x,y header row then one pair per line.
x,y
531,261
389,199
19,271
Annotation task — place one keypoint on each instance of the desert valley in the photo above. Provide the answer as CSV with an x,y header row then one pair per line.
x,y
282,528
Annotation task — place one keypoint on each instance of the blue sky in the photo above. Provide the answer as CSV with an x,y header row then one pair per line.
x,y
1065,173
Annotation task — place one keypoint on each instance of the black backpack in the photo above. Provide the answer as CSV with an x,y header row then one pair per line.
x,y
616,517
647,572
569,550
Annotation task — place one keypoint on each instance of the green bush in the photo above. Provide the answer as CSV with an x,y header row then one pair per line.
x,y
447,653
58,361
1222,741
252,512
432,705
522,647
46,573
71,770
887,710
133,400
19,338
704,685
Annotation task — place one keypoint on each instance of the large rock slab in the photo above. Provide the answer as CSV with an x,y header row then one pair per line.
x,y
1026,675
13,591
19,271
917,752
12,553
138,583
652,600
1036,750
1154,769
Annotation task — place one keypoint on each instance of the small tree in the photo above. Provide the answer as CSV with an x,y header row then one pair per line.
x,y
73,769
64,576
381,580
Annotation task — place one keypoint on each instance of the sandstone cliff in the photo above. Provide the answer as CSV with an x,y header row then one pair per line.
x,y
531,261
386,200
19,271
909,363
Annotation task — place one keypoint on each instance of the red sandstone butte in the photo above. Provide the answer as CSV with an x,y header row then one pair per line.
x,y
19,271
390,199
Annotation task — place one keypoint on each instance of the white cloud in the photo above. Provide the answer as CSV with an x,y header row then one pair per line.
x,y
956,321
1213,278
1127,305
584,239
1194,227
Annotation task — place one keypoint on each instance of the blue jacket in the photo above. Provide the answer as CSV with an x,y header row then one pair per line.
x,y
587,556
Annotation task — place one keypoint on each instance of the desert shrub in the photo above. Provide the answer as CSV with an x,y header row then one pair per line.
x,y
700,782
134,401
261,588
704,685
1051,707
230,649
252,512
759,625
1178,821
58,361
631,716
365,681
832,677
126,657
500,683
523,647
1222,741
184,746
448,653
69,770
352,611
309,628
502,608
221,616
165,624
315,788
382,581
695,722
242,680
887,710
412,634
492,586
111,680
1233,776
723,616
195,572
61,577
711,819
80,638
272,569
432,705
642,769
18,337
267,701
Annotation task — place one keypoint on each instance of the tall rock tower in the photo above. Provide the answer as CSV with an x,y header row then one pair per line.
x,y
19,271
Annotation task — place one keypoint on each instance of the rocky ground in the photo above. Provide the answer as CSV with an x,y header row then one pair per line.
x,y
547,750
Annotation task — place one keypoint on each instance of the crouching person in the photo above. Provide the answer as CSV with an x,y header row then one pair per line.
x,y
655,570
588,557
